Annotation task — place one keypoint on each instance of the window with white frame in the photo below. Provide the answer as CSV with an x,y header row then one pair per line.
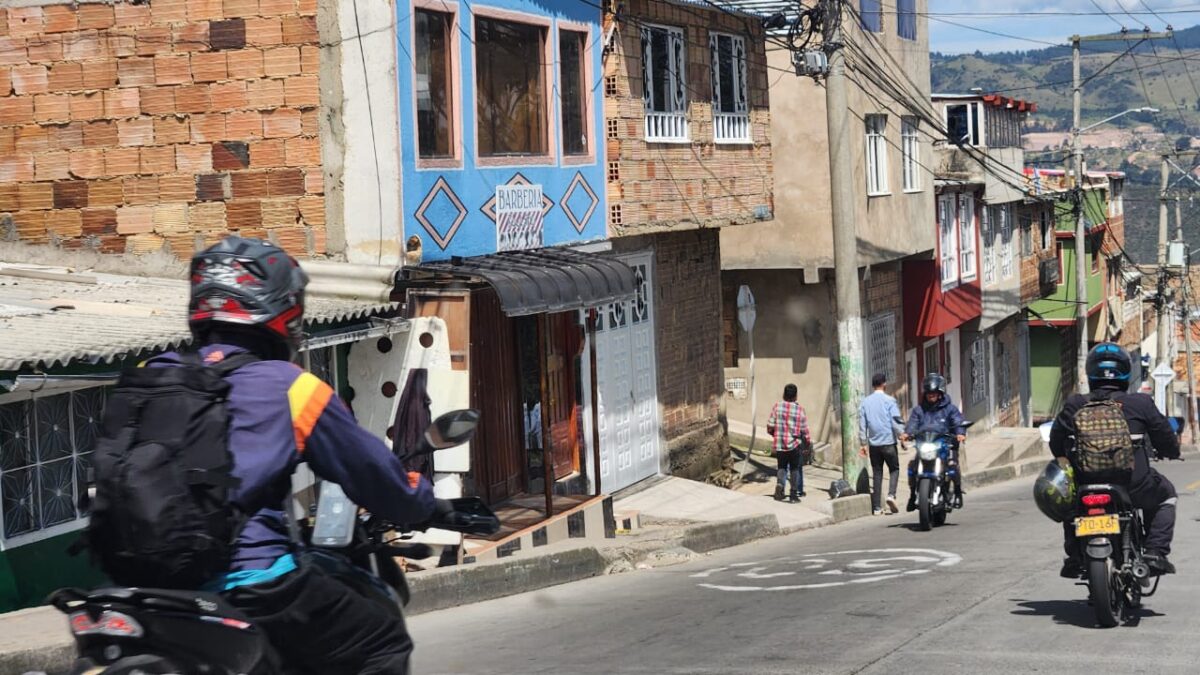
x,y
877,181
45,452
881,346
962,124
910,145
979,371
731,111
987,217
1116,203
967,233
664,83
1004,232
947,241
933,357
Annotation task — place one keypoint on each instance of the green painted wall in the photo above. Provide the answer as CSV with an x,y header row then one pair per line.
x,y
1061,303
1045,370
29,573
1095,203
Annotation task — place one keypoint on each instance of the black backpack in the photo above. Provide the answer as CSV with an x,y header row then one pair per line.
x,y
161,516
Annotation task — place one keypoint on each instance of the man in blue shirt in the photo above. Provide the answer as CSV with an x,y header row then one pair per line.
x,y
878,430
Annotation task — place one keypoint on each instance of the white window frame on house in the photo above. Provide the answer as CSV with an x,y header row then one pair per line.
x,y
974,135
936,345
987,236
1005,233
947,240
877,163
910,144
968,230
71,454
880,341
730,126
666,120
979,370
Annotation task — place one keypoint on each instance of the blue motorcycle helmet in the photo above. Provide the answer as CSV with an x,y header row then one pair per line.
x,y
1108,365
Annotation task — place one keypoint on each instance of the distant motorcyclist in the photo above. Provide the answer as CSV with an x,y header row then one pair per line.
x,y
936,413
1108,369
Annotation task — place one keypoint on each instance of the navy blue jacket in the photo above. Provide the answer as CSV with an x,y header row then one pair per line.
x,y
942,417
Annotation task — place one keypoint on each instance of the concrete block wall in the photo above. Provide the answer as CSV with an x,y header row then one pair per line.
x,y
657,186
137,126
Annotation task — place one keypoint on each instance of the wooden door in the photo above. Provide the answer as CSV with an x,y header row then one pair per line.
x,y
455,309
564,345
496,452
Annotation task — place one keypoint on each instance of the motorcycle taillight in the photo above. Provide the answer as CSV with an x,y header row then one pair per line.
x,y
111,623
1097,500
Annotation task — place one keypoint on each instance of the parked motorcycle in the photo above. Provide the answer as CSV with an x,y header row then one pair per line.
x,y
933,476
123,631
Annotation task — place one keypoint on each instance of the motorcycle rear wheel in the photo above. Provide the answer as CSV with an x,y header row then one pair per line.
x,y
1107,598
924,508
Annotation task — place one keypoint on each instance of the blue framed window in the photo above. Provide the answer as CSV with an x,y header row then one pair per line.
x,y
906,19
871,12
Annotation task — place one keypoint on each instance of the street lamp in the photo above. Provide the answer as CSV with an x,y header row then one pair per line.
x,y
1120,114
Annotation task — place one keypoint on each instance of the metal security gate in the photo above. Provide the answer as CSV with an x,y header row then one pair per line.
x,y
627,378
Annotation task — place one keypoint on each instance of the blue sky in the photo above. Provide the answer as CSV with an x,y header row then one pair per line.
x,y
946,37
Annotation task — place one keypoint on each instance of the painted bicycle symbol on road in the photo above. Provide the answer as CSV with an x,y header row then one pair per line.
x,y
826,570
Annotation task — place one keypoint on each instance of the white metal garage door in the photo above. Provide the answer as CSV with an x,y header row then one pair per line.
x,y
627,384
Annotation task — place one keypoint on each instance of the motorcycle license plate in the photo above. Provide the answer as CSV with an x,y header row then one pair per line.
x,y
1085,527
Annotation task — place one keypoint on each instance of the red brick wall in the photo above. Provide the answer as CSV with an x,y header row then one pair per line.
x,y
687,293
130,127
696,184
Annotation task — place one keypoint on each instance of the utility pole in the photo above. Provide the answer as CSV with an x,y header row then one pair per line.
x,y
1164,291
845,243
1081,281
1187,341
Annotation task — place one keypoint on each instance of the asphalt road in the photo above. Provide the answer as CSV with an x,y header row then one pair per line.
x,y
980,595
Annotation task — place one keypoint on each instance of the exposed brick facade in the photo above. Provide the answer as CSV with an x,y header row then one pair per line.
x,y
655,186
687,293
130,127
1039,252
1008,403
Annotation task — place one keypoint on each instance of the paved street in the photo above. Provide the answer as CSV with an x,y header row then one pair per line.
x,y
981,595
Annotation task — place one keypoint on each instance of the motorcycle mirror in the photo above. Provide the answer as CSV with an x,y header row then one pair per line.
x,y
454,428
967,424
897,419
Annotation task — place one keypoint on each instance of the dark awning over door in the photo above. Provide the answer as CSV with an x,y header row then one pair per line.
x,y
537,281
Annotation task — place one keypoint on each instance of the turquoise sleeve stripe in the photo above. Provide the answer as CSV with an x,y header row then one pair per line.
x,y
283,565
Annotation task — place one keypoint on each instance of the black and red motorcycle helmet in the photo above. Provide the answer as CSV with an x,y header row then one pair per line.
x,y
244,285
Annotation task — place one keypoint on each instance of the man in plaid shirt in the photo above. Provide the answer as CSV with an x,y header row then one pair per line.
x,y
789,426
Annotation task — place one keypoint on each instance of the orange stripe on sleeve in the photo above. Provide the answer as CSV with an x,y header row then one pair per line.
x,y
307,398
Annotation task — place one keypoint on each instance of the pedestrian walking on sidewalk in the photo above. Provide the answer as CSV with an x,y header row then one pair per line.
x,y
788,425
877,427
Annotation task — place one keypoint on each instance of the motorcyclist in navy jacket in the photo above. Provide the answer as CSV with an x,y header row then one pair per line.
x,y
936,413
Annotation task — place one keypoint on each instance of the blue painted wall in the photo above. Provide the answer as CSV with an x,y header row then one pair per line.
x,y
474,186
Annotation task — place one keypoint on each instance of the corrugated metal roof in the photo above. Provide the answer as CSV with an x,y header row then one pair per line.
x,y
51,316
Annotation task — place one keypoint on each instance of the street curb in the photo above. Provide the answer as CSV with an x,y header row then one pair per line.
x,y
466,584
51,659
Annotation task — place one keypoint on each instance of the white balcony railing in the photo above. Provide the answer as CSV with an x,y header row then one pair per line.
x,y
666,127
731,127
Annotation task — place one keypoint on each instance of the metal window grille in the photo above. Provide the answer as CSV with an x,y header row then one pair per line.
x,y
986,218
881,346
966,224
664,84
979,371
1006,241
1003,377
948,242
45,452
731,116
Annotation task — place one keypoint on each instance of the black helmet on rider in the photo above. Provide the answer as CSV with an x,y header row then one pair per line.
x,y
248,292
933,384
1108,365
1054,492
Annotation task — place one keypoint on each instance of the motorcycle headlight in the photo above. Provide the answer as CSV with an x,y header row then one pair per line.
x,y
927,451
